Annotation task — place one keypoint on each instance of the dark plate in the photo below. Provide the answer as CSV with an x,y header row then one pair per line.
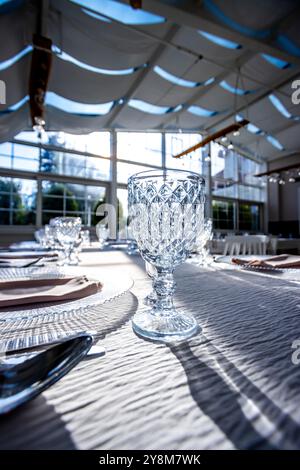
x,y
26,378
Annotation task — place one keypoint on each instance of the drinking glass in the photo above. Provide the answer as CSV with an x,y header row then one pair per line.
x,y
166,213
40,237
86,239
206,234
66,233
102,234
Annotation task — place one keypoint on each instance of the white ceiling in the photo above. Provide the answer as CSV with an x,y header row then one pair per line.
x,y
176,46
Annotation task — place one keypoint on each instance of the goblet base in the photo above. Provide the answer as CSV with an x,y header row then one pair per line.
x,y
165,327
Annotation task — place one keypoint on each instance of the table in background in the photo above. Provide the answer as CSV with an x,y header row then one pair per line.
x,y
233,386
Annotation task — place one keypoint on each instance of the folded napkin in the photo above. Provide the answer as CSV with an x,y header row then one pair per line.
x,y
33,291
278,262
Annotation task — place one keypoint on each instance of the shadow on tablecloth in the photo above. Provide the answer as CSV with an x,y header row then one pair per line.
x,y
20,429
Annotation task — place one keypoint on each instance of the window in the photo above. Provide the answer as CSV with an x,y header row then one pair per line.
x,y
17,201
125,170
24,157
175,144
97,143
69,164
224,188
73,200
141,147
249,217
223,215
83,163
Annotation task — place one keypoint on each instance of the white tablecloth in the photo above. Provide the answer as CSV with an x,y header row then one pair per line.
x,y
233,386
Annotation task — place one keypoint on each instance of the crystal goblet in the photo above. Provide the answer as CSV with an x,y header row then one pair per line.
x,y
203,257
166,212
66,233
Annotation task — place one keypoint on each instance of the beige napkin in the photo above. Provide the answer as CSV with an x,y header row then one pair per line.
x,y
278,262
33,291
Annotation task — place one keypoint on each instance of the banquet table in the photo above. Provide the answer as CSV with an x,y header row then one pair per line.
x,y
233,386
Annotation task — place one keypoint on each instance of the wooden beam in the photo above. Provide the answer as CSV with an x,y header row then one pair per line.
x,y
227,130
295,166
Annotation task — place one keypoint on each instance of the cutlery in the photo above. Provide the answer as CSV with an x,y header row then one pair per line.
x,y
4,264
22,380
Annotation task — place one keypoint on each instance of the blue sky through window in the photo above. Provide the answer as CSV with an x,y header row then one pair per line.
x,y
120,12
12,60
220,41
234,90
68,58
70,106
199,111
147,107
173,79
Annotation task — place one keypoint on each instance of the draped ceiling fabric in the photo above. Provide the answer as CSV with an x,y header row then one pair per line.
x,y
190,65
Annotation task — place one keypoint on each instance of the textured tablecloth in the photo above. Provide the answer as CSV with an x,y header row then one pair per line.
x,y
233,386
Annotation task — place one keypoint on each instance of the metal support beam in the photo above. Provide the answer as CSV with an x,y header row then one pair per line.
x,y
163,151
208,186
112,199
39,204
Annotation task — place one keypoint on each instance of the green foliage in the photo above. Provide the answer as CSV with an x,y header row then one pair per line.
x,y
21,215
52,203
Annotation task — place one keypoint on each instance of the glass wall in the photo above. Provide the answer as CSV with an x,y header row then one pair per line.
x,y
71,200
175,144
17,201
224,215
233,182
68,174
249,217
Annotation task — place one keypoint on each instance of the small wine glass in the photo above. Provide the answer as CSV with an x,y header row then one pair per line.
x,y
102,234
66,233
166,213
203,257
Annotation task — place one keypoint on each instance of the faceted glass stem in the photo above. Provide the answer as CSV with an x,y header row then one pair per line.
x,y
164,286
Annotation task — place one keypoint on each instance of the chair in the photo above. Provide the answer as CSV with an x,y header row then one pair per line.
x,y
246,245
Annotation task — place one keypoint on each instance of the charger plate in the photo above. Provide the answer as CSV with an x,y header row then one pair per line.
x,y
113,286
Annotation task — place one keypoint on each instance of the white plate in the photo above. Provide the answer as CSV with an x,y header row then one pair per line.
x,y
113,286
